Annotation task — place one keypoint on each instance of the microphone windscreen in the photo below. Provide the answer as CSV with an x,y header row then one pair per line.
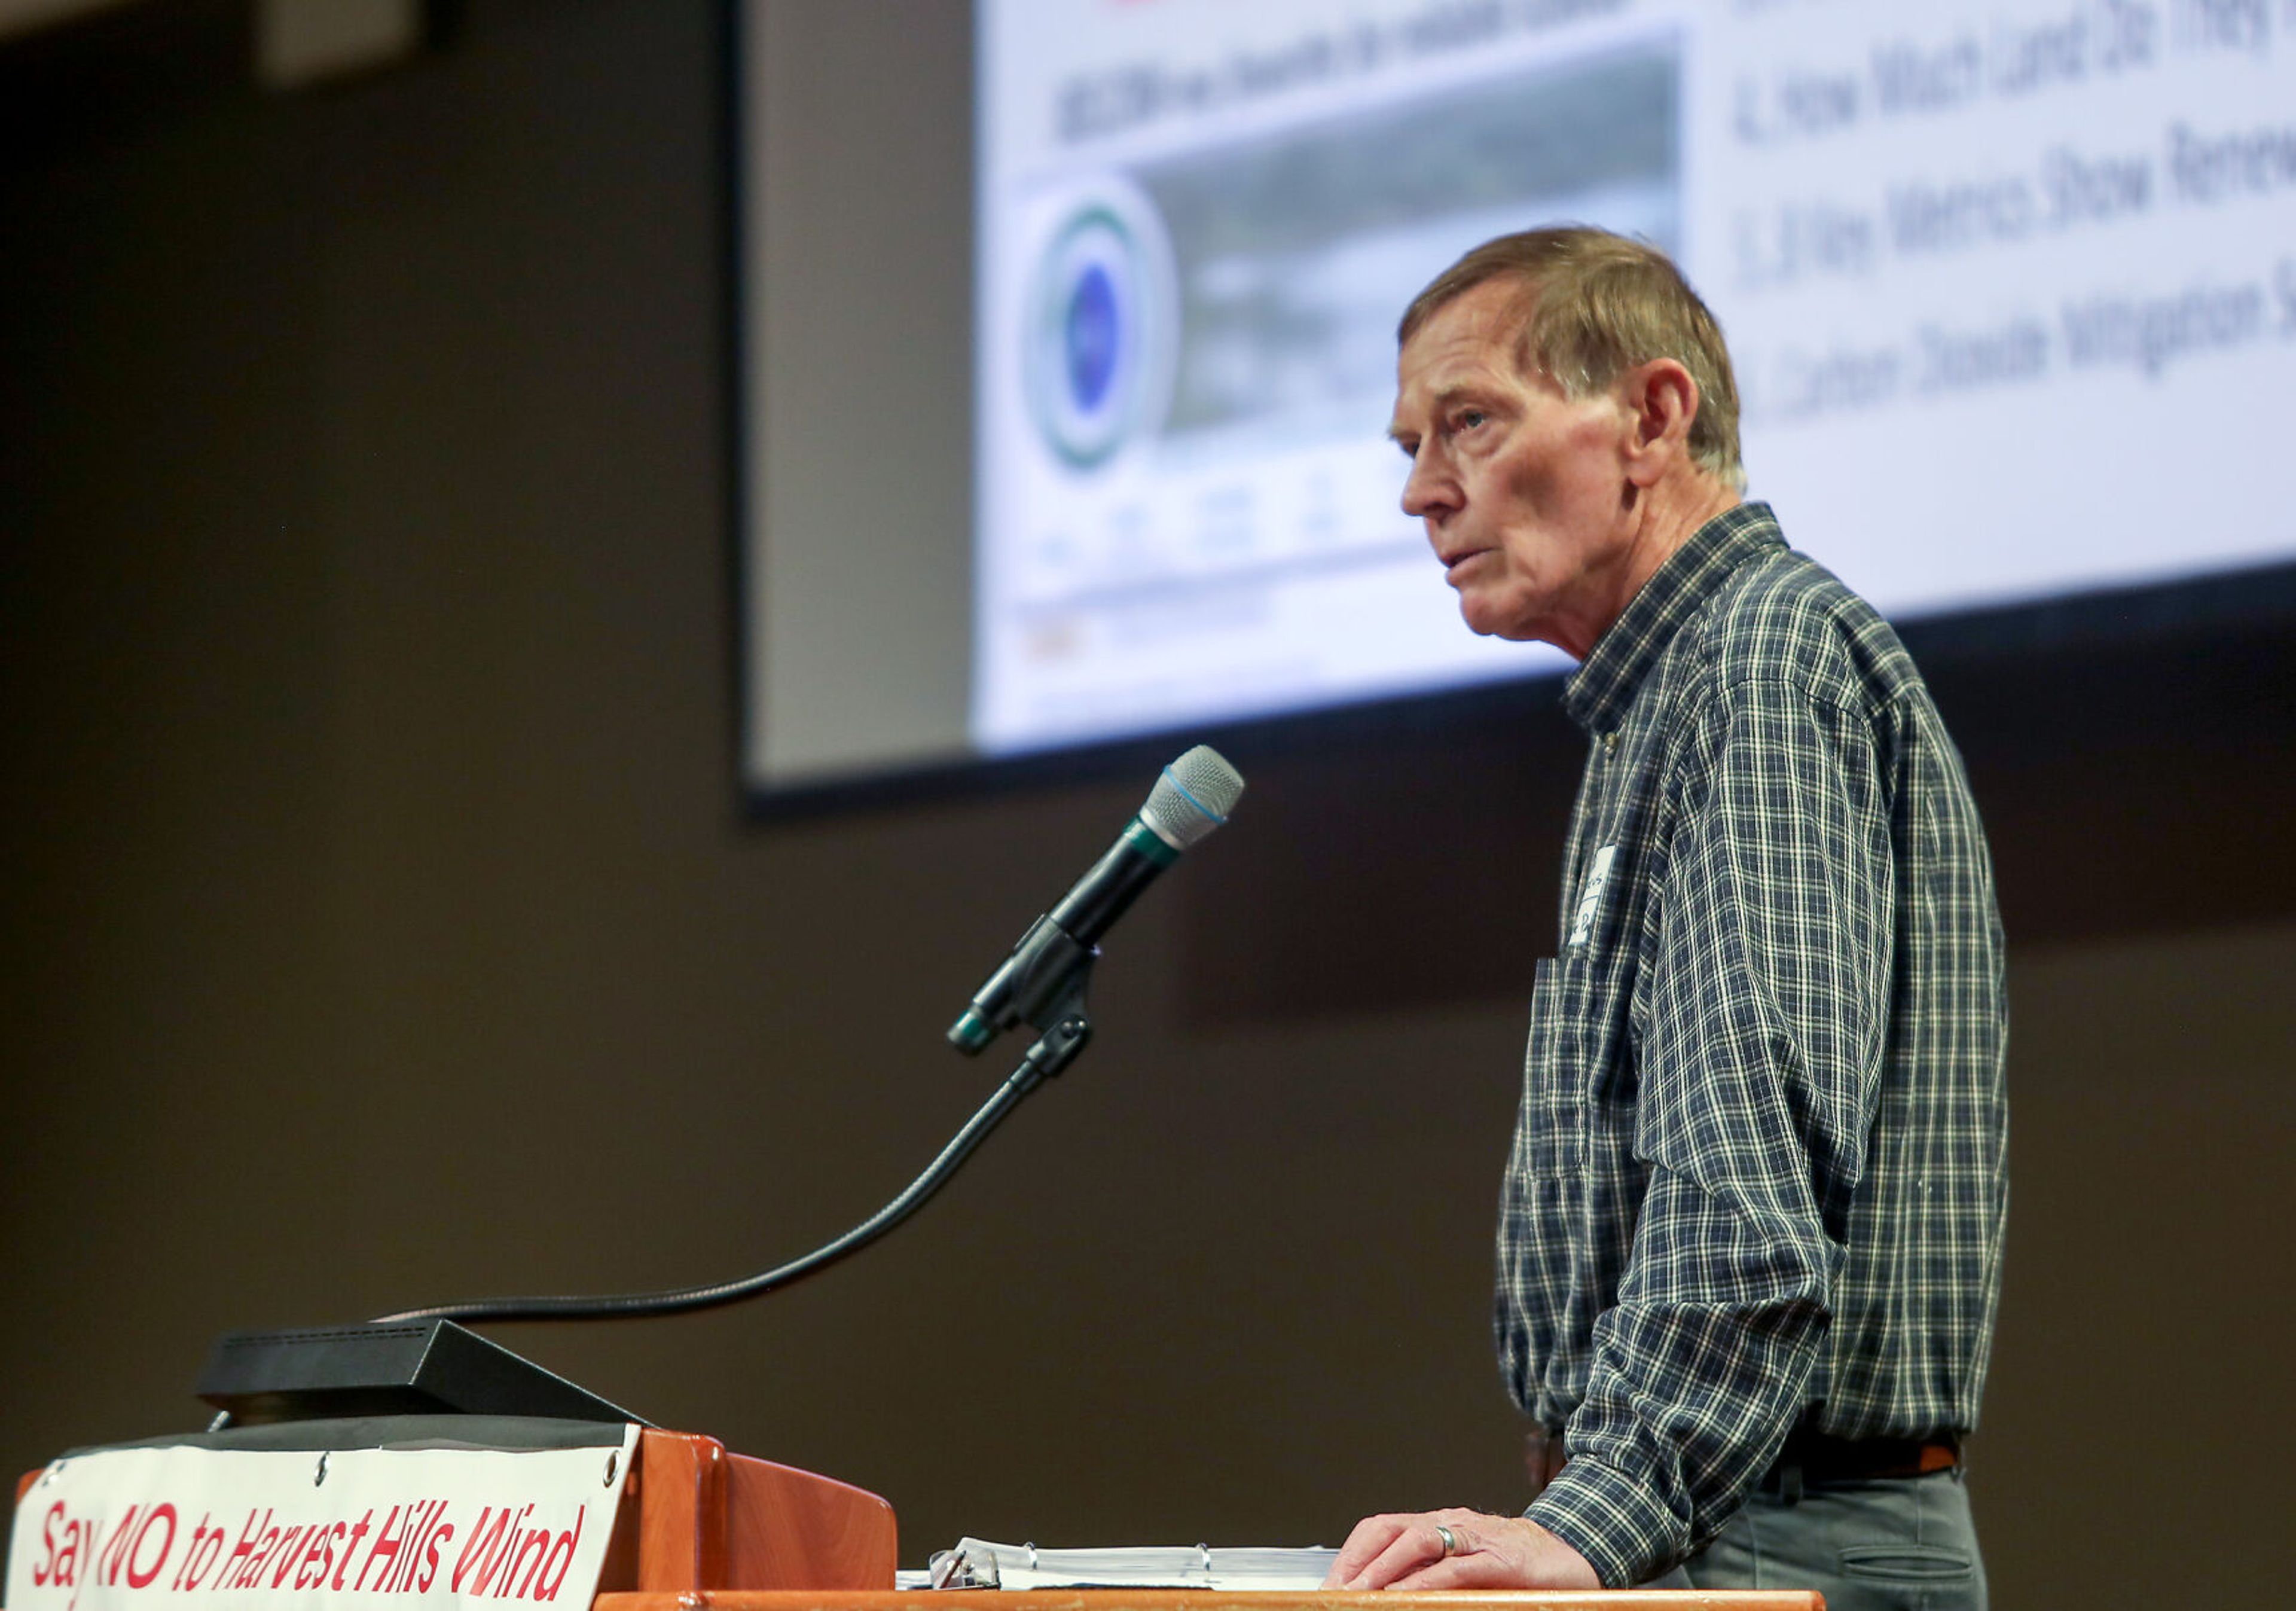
x,y
1193,797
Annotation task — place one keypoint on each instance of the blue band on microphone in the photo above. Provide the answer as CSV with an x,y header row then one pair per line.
x,y
1190,799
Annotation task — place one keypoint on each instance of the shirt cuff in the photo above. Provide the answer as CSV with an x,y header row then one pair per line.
x,y
1613,1520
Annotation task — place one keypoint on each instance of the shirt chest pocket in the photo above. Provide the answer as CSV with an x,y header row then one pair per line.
x,y
1550,1134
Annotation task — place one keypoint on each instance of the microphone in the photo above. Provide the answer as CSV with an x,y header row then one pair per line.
x,y
1039,982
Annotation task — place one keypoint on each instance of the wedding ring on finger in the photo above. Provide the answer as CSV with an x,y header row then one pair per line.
x,y
1450,1541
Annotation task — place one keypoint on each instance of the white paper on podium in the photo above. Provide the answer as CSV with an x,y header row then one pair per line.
x,y
978,1564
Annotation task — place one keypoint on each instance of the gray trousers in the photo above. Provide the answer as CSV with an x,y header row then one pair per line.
x,y
1891,1544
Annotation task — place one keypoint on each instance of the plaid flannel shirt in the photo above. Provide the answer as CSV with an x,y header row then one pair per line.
x,y
1759,1168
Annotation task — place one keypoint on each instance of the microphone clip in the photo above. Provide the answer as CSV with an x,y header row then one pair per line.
x,y
1065,1037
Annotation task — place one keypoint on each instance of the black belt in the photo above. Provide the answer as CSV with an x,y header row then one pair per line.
x,y
1813,1458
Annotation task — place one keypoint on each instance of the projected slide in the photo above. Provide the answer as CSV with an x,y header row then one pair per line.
x,y
2012,289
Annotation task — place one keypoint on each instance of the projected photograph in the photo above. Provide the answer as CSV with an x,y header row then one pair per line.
x,y
1202,344
1297,251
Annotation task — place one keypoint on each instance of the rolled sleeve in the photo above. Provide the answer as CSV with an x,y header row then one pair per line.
x,y
1610,1516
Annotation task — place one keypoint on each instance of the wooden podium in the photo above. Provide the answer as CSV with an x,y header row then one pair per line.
x,y
703,1528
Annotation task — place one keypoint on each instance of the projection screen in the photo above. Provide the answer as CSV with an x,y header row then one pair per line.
x,y
1069,340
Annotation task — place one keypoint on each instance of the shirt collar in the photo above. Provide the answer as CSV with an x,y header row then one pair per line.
x,y
1598,693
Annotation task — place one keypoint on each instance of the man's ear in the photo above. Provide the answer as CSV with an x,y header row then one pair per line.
x,y
1661,400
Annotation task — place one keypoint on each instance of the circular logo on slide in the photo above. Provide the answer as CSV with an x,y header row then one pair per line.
x,y
1099,332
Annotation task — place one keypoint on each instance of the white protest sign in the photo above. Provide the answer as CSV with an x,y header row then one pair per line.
x,y
348,1529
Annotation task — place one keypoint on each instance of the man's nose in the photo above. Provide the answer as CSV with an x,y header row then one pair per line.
x,y
1428,492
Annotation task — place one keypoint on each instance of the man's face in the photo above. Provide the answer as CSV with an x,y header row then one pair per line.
x,y
1524,492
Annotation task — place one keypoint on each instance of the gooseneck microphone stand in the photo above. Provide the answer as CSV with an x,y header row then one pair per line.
x,y
422,1360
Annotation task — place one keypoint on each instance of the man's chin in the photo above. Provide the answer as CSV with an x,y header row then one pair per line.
x,y
1486,618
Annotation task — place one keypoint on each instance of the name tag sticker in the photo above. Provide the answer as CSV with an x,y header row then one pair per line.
x,y
1590,896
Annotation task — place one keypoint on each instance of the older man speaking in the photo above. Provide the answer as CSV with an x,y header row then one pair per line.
x,y
1749,1234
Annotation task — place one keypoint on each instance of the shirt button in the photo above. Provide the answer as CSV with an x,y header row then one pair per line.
x,y
1610,743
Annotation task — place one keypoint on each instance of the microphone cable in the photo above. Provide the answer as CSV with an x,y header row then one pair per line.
x,y
684,1300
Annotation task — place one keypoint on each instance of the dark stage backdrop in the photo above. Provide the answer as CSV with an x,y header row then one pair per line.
x,y
380,925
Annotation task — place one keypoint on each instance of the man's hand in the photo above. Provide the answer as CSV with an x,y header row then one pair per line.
x,y
1489,1552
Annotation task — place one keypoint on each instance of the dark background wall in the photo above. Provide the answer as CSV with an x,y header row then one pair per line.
x,y
381,925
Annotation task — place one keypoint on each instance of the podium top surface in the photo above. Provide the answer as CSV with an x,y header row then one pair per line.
x,y
1201,1599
